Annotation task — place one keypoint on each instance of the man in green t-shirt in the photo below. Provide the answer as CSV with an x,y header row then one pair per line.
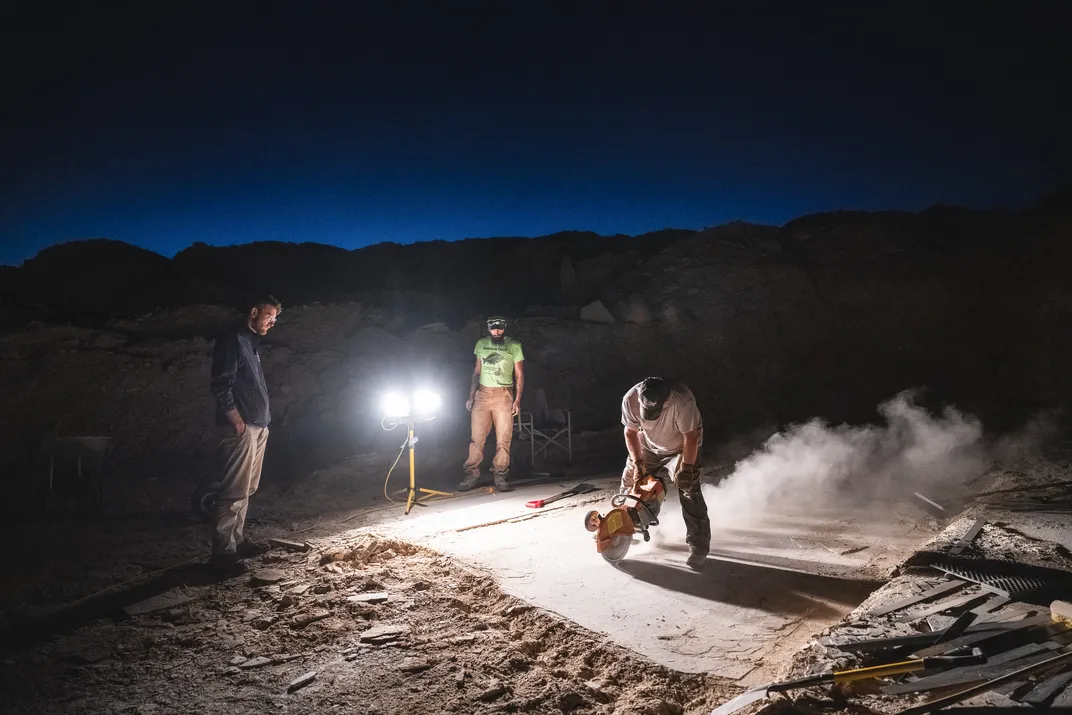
x,y
494,399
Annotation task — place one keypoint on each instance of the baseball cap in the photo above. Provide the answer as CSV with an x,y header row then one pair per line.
x,y
653,394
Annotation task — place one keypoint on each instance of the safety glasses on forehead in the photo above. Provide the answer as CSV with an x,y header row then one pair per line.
x,y
496,326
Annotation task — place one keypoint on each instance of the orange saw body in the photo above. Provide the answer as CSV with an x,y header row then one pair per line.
x,y
631,513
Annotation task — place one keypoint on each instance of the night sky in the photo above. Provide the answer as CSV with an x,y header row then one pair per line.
x,y
161,124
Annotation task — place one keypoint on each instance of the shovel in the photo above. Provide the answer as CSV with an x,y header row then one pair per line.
x,y
581,488
844,676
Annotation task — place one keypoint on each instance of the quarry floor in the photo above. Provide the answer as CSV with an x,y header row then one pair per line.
x,y
763,592
468,604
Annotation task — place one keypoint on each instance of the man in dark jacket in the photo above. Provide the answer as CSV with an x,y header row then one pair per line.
x,y
243,415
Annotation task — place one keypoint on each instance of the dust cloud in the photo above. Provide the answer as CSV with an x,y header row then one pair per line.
x,y
819,466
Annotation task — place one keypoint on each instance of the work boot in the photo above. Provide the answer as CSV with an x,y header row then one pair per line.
x,y
697,560
227,565
470,481
252,549
501,484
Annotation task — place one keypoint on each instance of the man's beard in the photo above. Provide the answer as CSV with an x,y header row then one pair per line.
x,y
499,340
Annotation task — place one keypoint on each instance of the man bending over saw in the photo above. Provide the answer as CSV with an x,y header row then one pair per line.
x,y
664,432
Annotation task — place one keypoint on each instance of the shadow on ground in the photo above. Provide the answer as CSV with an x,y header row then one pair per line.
x,y
774,590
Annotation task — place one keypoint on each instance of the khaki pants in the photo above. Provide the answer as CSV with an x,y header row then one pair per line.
x,y
242,460
693,506
491,406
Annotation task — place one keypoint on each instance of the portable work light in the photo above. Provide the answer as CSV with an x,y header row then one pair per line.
x,y
395,406
399,409
426,403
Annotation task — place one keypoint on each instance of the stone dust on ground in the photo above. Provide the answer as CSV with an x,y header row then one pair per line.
x,y
369,625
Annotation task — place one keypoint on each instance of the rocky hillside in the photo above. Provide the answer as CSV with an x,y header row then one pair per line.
x,y
825,316
89,282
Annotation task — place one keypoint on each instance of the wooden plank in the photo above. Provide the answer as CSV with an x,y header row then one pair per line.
x,y
932,506
1010,612
1057,660
1048,688
938,590
957,628
1063,700
974,639
993,604
1013,659
1009,689
969,536
918,639
1016,653
945,605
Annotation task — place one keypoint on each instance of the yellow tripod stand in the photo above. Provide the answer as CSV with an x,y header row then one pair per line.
x,y
415,494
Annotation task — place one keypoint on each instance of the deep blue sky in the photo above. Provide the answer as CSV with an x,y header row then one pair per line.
x,y
161,124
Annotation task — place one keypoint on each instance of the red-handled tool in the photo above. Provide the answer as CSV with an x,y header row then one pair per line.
x,y
581,488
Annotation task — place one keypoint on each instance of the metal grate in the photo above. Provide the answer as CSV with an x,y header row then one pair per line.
x,y
994,578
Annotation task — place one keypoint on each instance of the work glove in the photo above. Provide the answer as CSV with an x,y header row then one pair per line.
x,y
635,474
688,477
644,470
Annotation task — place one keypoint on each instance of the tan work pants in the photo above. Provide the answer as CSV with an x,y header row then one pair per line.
x,y
491,406
242,460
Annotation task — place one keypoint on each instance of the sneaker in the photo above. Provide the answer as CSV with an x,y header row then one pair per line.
x,y
501,484
227,565
252,549
470,481
697,560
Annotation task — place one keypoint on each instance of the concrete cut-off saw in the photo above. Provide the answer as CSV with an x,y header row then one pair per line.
x,y
632,513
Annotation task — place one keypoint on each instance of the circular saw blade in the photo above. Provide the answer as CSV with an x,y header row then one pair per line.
x,y
618,549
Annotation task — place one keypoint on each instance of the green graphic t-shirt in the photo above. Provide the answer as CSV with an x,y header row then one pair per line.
x,y
497,361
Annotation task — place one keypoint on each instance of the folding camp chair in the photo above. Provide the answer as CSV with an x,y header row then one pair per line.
x,y
544,428
89,458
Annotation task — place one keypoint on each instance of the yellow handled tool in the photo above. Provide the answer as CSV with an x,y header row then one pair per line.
x,y
1060,612
844,676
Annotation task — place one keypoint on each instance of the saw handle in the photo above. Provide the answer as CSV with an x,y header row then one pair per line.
x,y
620,499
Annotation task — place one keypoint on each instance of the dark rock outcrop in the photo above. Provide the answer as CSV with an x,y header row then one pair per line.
x,y
825,316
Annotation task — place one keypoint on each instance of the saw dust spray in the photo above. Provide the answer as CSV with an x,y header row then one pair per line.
x,y
819,466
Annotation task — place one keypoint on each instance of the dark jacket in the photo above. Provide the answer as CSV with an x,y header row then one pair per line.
x,y
237,377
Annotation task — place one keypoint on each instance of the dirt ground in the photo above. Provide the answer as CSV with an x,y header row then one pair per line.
x,y
383,626
451,639
388,615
